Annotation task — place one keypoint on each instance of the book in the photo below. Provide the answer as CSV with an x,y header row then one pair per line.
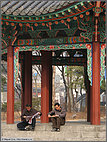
x,y
29,118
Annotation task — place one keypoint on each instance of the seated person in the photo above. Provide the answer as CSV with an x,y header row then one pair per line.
x,y
57,117
28,118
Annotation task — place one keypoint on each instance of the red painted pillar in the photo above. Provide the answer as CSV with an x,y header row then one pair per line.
x,y
88,100
50,83
46,57
95,98
22,65
90,103
10,85
26,79
27,98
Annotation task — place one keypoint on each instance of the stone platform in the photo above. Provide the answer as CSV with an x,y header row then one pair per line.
x,y
71,131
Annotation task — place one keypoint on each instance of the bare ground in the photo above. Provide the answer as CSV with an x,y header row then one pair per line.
x,y
69,116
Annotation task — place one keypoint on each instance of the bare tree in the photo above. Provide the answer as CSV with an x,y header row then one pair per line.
x,y
65,84
53,87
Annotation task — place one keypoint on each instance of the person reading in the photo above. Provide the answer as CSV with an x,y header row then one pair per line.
x,y
57,117
28,118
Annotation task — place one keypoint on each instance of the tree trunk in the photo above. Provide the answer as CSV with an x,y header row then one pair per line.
x,y
81,100
65,84
86,102
72,99
36,86
66,90
68,95
75,107
53,88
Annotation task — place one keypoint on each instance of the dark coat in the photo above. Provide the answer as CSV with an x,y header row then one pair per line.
x,y
28,113
61,113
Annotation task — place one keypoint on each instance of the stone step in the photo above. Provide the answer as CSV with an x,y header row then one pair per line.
x,y
69,132
69,127
45,135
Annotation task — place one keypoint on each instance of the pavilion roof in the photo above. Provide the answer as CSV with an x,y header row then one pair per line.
x,y
34,19
31,7
42,11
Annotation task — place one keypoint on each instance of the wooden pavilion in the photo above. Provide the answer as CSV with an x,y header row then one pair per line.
x,y
47,27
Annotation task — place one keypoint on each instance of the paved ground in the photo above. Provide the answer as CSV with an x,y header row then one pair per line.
x,y
72,131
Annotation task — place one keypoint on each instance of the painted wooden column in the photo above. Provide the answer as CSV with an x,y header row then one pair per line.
x,y
28,79
50,82
88,100
87,84
90,103
45,87
10,85
50,89
95,98
22,65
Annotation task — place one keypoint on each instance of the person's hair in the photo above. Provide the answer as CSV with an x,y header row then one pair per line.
x,y
56,104
28,105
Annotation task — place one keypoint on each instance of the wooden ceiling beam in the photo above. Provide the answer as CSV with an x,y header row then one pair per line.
x,y
97,11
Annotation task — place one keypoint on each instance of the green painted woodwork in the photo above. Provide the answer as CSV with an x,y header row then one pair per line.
x,y
88,27
49,41
50,48
8,33
85,26
102,61
101,27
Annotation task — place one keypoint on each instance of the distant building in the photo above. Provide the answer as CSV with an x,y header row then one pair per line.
x,y
103,98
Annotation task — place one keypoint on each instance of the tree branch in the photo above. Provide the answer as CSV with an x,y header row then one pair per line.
x,y
37,71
